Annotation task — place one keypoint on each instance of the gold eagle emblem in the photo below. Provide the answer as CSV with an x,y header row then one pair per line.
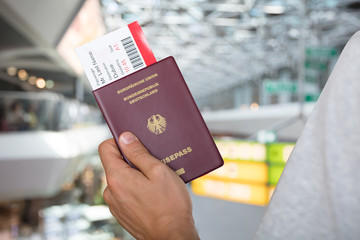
x,y
156,124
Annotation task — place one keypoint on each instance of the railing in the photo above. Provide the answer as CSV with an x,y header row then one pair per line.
x,y
32,111
45,141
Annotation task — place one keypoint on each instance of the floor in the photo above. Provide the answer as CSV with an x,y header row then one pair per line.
x,y
223,220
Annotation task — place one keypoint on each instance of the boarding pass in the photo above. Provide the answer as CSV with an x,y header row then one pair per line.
x,y
115,55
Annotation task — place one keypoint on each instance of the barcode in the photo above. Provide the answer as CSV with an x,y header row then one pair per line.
x,y
132,52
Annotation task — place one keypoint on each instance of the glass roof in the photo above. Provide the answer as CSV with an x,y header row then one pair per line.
x,y
220,45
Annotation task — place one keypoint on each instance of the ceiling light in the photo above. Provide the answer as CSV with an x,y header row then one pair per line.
x,y
294,33
49,84
274,9
226,22
23,75
11,71
230,8
254,107
32,80
40,83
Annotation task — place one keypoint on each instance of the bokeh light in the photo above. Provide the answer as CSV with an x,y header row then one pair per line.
x,y
23,75
32,80
11,71
50,84
40,83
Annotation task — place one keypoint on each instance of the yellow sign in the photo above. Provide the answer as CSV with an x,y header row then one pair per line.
x,y
241,150
252,172
233,191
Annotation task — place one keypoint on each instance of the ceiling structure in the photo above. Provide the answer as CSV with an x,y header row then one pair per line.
x,y
31,31
220,45
39,37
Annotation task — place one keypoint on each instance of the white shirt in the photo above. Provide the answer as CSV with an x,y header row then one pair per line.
x,y
318,195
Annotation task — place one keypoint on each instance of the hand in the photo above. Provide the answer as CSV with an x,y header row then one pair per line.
x,y
150,203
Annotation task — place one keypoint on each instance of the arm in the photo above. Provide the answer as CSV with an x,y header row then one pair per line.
x,y
150,203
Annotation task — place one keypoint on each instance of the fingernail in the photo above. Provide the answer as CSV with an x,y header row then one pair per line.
x,y
127,138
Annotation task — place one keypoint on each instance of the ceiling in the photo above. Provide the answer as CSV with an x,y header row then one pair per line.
x,y
220,45
31,31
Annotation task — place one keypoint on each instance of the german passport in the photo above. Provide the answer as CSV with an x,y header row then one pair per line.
x,y
155,104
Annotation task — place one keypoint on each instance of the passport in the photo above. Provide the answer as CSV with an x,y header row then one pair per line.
x,y
156,105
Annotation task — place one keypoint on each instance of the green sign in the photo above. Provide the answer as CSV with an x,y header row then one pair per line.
x,y
311,79
275,172
279,152
311,97
272,87
321,52
316,64
266,136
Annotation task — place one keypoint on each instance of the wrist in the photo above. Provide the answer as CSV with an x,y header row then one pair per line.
x,y
179,230
183,232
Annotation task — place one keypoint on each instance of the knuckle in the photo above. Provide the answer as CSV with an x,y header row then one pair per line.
x,y
158,169
138,153
106,195
112,181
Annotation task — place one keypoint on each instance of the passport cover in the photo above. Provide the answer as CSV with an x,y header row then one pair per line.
x,y
156,105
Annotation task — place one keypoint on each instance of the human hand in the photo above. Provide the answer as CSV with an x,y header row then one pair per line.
x,y
150,203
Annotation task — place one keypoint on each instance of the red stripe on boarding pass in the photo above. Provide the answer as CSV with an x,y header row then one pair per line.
x,y
142,43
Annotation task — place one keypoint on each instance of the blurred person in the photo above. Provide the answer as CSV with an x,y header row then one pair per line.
x,y
15,118
3,123
31,118
317,196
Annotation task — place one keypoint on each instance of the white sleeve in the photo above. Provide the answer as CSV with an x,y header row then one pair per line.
x,y
318,195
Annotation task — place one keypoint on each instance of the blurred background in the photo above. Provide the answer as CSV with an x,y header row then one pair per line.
x,y
255,68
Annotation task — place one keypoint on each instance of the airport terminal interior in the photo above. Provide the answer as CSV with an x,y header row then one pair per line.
x,y
255,69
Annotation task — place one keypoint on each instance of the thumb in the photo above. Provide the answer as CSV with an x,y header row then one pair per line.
x,y
137,154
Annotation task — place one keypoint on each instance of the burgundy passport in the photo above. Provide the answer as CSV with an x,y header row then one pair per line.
x,y
155,104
